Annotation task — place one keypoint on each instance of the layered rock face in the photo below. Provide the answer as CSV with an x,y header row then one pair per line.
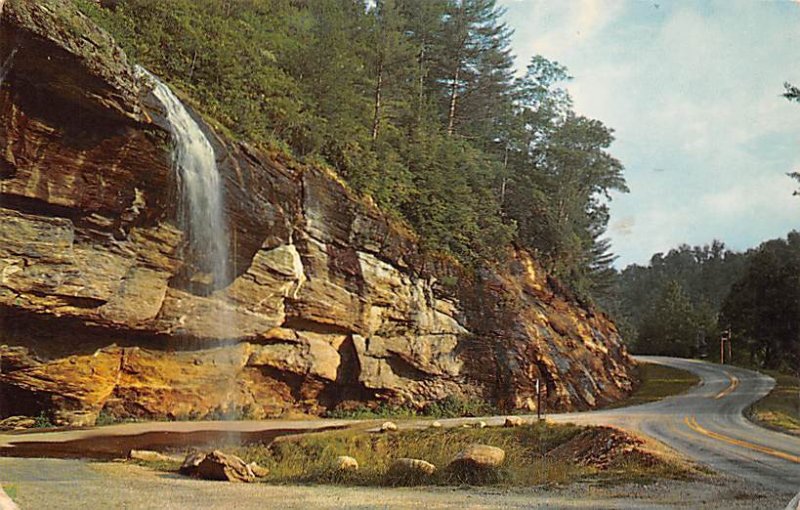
x,y
102,309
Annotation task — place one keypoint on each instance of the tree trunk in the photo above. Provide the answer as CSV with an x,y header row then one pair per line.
x,y
503,183
421,82
376,120
451,115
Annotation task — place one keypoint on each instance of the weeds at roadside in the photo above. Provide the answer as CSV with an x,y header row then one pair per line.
x,y
42,421
311,458
448,407
11,491
781,408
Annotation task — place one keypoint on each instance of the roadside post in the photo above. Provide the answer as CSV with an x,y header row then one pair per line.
x,y
730,355
725,336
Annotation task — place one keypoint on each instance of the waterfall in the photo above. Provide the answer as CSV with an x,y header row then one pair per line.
x,y
6,67
200,185
203,218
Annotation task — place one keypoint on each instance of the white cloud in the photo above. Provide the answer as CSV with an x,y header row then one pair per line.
x,y
561,24
693,88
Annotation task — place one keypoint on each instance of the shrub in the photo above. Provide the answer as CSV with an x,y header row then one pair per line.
x,y
42,421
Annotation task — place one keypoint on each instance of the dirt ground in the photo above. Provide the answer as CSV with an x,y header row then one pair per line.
x,y
71,484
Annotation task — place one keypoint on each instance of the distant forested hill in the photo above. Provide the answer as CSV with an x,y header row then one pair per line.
x,y
681,302
671,305
415,103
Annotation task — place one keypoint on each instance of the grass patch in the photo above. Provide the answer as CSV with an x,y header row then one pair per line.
x,y
311,458
531,458
657,382
448,407
42,421
781,408
635,471
11,491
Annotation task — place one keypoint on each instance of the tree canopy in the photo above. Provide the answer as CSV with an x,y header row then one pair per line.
x,y
671,305
763,308
413,102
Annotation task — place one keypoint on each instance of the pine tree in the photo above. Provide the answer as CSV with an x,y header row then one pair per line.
x,y
474,65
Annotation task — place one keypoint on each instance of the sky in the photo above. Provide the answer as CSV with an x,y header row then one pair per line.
x,y
692,89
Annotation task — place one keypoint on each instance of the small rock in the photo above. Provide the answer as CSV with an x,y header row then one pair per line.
x,y
345,463
388,427
257,470
415,467
436,425
466,426
480,425
479,456
514,421
147,456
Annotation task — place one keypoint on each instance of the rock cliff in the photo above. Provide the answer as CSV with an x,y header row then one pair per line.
x,y
330,302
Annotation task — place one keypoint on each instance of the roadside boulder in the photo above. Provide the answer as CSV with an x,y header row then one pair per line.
x,y
388,427
479,456
217,466
345,463
412,467
436,425
514,421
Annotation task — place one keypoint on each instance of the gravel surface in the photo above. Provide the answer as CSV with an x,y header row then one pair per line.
x,y
73,484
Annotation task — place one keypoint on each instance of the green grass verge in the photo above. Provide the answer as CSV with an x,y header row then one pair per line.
x,y
781,408
448,407
311,458
657,382
11,491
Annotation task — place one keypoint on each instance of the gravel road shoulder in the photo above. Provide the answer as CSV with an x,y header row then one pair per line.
x,y
41,482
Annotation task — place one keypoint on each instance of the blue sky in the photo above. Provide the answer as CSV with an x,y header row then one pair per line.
x,y
692,89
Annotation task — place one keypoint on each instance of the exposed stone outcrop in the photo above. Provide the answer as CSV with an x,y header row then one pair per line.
x,y
532,329
330,303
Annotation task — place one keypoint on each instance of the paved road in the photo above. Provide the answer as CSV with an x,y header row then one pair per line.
x,y
706,424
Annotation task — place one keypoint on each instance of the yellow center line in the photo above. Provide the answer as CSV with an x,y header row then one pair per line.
x,y
732,386
691,422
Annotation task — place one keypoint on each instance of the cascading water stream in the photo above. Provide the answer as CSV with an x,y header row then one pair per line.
x,y
201,200
202,211
201,187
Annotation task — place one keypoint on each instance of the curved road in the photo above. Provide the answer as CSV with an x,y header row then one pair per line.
x,y
706,423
